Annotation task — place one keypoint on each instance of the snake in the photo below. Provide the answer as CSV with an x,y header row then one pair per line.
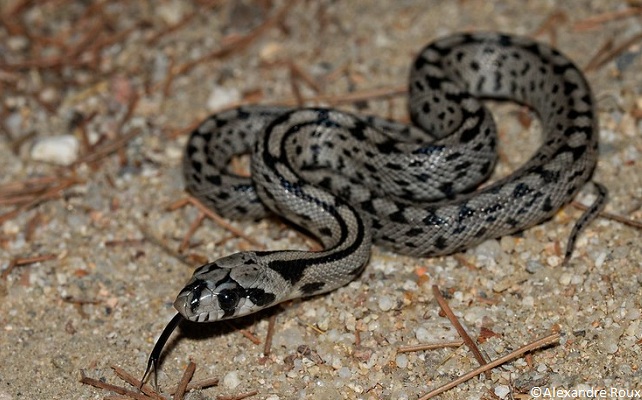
x,y
351,181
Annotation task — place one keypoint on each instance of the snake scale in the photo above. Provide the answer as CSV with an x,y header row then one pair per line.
x,y
351,181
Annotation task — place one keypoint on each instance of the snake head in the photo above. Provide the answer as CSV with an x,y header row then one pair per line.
x,y
229,287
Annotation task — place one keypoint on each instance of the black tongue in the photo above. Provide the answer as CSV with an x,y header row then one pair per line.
x,y
154,356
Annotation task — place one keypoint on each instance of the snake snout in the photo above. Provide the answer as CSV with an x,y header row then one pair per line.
x,y
195,301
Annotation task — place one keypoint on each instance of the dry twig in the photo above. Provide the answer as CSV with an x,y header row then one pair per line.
x,y
135,382
182,385
157,241
190,232
545,341
17,262
239,396
596,21
430,346
214,217
270,334
112,388
247,334
28,202
232,46
460,329
603,56
147,392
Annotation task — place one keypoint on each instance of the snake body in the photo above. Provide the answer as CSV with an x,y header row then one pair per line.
x,y
351,181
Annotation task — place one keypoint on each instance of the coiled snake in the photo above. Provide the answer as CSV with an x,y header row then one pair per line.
x,y
351,180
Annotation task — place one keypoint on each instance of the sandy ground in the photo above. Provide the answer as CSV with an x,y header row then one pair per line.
x,y
105,289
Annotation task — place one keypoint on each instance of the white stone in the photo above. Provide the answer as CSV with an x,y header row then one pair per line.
x,y
490,249
565,278
385,303
60,150
528,301
271,52
344,373
599,260
171,12
13,122
231,380
223,96
502,391
402,361
422,334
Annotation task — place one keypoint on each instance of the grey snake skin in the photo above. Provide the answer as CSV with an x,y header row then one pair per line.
x,y
351,181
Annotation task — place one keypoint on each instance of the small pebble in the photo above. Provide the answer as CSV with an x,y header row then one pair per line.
x,y
507,243
610,346
610,339
410,286
490,249
502,391
385,303
10,228
374,326
13,122
63,363
322,392
324,324
289,336
222,96
532,266
333,335
240,358
350,322
422,334
553,261
565,278
231,380
402,361
528,301
170,12
633,329
633,313
271,52
17,42
60,150
475,314
577,279
49,95
599,260
344,373
625,370
400,395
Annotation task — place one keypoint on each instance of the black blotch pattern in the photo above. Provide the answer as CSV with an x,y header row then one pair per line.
x,y
398,216
312,288
521,190
214,179
259,296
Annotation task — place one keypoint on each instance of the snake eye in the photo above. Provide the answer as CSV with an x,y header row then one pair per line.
x,y
228,300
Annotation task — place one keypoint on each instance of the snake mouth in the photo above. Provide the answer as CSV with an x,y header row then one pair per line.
x,y
193,301
203,317
187,304
182,305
